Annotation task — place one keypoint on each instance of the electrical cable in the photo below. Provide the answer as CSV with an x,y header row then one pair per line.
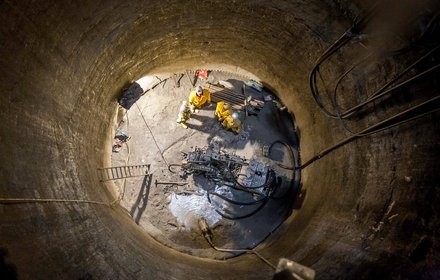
x,y
207,234
244,189
59,200
290,150
152,135
428,26
122,192
382,91
378,95
224,215
403,121
271,185
234,201
293,168
346,37
153,87
278,184
4,200
244,251
375,128
263,202
126,161
265,185
406,70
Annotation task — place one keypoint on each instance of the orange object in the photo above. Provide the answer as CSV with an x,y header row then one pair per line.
x,y
202,74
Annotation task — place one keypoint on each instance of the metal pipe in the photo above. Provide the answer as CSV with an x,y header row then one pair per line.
x,y
156,182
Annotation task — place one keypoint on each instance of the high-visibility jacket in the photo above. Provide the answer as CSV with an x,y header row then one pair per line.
x,y
222,113
232,124
198,101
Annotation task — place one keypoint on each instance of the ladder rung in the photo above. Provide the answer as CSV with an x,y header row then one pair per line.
x,y
119,172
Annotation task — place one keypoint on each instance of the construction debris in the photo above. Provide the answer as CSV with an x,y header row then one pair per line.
x,y
176,79
118,141
255,85
189,79
203,74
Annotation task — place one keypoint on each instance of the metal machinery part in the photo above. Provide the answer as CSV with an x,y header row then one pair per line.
x,y
213,163
255,176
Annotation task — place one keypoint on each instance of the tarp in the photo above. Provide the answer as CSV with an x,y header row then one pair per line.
x,y
130,95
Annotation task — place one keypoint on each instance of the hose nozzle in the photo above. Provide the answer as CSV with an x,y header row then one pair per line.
x,y
204,227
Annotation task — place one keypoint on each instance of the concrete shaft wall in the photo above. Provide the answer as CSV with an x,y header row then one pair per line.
x,y
64,63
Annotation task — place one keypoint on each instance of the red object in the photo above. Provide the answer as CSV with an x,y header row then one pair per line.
x,y
202,74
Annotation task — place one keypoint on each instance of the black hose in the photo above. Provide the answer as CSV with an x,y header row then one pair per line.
x,y
289,148
265,185
382,125
379,94
346,37
245,190
263,202
234,201
224,215
284,195
271,185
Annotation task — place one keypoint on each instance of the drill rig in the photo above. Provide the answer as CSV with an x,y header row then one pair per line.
x,y
213,163
250,183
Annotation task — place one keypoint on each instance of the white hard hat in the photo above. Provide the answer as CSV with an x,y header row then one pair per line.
x,y
235,115
199,90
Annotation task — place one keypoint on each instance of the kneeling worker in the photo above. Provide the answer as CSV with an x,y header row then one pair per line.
x,y
198,97
227,117
222,110
232,123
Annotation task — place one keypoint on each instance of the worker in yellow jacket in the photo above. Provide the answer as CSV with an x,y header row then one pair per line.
x,y
222,110
231,123
198,97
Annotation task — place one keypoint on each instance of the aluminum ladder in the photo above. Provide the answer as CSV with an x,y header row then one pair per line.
x,y
120,172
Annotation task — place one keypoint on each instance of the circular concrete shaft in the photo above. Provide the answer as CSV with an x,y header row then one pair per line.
x,y
365,208
170,212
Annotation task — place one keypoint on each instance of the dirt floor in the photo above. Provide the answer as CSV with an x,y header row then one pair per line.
x,y
170,212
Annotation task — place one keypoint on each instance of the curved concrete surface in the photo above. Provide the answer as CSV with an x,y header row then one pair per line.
x,y
366,205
